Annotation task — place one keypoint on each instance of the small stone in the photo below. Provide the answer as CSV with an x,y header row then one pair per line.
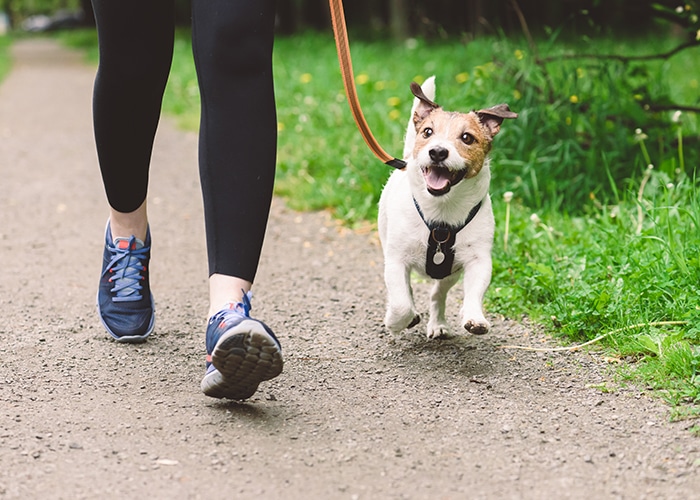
x,y
167,461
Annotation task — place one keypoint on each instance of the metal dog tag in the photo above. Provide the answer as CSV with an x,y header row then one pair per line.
x,y
439,257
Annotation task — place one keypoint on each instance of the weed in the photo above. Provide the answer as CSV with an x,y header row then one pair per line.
x,y
627,274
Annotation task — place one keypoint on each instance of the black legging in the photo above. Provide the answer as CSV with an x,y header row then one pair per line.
x,y
232,43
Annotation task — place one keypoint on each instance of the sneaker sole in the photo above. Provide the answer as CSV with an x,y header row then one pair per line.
x,y
129,339
244,356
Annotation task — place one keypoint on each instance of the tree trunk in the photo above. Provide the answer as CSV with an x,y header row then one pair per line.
x,y
476,14
398,19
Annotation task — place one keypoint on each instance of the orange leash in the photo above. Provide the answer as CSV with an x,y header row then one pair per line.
x,y
340,32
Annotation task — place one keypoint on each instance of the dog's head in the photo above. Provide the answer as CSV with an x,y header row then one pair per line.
x,y
452,146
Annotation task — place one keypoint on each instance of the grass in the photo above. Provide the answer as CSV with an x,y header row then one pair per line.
x,y
5,61
599,244
629,271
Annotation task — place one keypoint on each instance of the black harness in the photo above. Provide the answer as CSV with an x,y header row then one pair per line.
x,y
441,240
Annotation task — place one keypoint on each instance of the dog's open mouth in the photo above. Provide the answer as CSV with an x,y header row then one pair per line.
x,y
439,180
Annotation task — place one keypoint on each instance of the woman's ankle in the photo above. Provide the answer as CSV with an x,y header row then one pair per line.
x,y
126,224
225,290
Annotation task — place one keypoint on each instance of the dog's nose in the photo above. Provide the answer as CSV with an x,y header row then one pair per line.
x,y
438,154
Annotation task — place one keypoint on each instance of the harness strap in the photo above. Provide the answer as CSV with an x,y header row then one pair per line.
x,y
343,47
441,254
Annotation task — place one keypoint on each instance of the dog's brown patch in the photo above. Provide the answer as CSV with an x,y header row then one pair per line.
x,y
469,136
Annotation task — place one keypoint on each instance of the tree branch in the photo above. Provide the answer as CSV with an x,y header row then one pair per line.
x,y
671,107
525,28
624,59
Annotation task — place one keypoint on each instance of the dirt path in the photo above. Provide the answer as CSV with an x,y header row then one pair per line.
x,y
357,413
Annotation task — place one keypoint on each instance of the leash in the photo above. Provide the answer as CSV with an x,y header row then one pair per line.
x,y
342,45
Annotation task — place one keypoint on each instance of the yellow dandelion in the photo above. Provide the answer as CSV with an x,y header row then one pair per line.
x,y
394,114
573,99
462,77
306,78
393,101
580,73
517,95
362,78
519,54
568,120
280,126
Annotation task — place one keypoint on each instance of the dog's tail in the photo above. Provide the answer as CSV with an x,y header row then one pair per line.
x,y
429,91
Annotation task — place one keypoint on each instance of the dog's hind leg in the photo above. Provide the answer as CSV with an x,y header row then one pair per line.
x,y
401,311
437,324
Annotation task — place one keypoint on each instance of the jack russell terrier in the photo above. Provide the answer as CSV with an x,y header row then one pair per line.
x,y
435,215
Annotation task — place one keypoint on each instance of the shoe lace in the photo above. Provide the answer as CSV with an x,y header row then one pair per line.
x,y
244,306
126,267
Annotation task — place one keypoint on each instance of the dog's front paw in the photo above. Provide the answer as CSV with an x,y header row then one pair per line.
x,y
477,327
399,322
437,330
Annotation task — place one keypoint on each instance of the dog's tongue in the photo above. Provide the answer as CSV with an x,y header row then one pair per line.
x,y
437,178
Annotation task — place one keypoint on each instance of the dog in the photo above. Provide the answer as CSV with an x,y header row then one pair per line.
x,y
435,215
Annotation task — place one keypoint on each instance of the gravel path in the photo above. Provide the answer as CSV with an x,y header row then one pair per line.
x,y
357,413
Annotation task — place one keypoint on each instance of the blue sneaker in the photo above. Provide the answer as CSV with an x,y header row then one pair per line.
x,y
124,299
241,353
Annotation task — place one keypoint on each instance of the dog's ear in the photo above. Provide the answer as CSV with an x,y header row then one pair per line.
x,y
492,117
425,106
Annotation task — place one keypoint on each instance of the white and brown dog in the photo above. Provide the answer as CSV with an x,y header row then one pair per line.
x,y
435,215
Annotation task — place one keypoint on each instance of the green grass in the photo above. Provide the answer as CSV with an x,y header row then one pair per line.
x,y
81,39
628,272
5,61
590,254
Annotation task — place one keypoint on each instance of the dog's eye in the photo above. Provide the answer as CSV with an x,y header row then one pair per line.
x,y
427,132
467,138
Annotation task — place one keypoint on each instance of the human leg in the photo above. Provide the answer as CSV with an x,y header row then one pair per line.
x,y
232,41
135,42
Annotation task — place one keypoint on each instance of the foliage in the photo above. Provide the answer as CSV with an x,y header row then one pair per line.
x,y
630,270
5,61
24,8
435,19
